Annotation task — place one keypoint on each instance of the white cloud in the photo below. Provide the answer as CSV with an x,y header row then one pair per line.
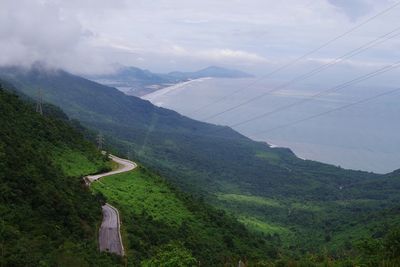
x,y
33,31
232,55
92,35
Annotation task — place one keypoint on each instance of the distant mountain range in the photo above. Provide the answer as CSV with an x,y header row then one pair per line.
x,y
139,82
212,71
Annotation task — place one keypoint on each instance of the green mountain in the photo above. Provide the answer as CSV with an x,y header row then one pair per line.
x,y
50,218
217,156
311,206
47,216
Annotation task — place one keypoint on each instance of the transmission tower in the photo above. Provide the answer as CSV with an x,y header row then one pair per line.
x,y
39,102
100,141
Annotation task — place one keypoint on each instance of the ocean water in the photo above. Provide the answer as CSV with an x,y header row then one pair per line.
x,y
362,137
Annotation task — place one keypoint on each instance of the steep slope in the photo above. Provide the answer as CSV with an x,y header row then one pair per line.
x,y
48,218
165,227
91,102
230,170
173,143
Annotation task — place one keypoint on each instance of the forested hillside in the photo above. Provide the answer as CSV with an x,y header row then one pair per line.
x,y
47,216
163,226
312,207
215,156
50,218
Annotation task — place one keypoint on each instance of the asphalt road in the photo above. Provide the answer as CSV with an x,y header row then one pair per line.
x,y
124,166
109,233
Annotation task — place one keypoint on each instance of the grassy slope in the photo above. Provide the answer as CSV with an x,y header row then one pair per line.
x,y
74,163
48,218
136,189
154,215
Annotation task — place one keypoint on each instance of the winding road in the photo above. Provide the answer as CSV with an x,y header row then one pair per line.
x,y
109,233
124,166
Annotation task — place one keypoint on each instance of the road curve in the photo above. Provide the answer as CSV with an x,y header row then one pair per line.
x,y
124,166
109,233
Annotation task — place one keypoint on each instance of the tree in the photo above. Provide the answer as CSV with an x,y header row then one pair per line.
x,y
173,254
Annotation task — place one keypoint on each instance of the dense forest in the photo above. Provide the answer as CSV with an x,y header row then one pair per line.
x,y
48,217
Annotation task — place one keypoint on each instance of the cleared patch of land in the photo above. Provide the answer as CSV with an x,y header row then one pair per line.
x,y
74,163
261,226
135,192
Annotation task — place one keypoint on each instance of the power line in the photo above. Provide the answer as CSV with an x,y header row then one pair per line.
x,y
320,93
285,66
333,89
331,111
379,40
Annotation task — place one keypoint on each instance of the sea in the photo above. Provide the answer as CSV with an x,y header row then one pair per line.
x,y
326,127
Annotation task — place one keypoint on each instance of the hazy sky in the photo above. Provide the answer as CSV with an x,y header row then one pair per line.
x,y
92,36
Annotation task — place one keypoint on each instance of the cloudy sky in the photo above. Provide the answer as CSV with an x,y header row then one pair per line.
x,y
94,36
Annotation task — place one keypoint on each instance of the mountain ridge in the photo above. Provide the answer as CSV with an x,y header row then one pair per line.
x,y
138,82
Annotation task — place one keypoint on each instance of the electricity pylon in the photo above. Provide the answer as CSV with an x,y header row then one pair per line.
x,y
100,141
39,102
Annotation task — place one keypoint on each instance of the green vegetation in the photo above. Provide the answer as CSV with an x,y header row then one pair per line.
x,y
172,255
338,227
74,163
166,227
146,194
319,204
46,218
263,227
250,200
268,156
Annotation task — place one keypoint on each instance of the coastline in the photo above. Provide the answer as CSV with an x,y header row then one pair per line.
x,y
169,89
